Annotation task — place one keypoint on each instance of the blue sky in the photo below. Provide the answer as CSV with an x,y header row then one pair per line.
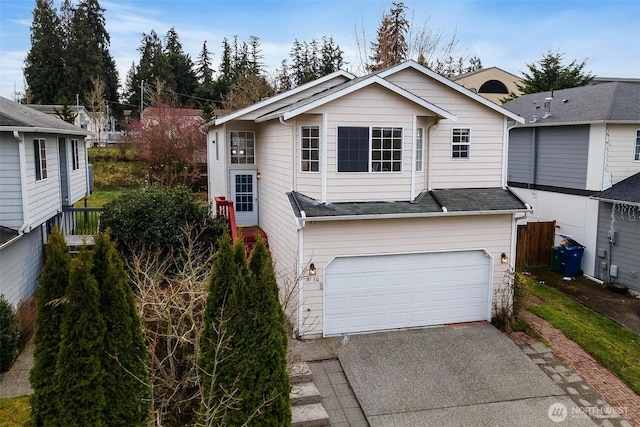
x,y
506,34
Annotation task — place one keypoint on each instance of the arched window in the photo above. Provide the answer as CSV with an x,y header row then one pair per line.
x,y
493,86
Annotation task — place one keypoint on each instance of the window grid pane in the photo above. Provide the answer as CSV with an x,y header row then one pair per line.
x,y
637,157
419,150
386,149
460,143
353,149
310,149
242,148
244,193
40,154
75,155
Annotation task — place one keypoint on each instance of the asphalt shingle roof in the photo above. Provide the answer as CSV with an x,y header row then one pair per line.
x,y
627,190
612,101
428,202
14,115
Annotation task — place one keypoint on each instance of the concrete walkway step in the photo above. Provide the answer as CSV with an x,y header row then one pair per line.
x,y
304,393
311,415
299,372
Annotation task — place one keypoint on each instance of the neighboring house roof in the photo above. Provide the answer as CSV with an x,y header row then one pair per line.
x,y
453,85
460,201
18,117
626,191
319,99
484,71
603,102
51,108
283,95
6,235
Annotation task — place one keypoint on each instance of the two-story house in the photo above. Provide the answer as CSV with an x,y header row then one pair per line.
x,y
43,167
383,197
574,143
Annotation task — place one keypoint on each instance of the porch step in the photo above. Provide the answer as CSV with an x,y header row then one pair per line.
x,y
304,394
250,236
299,372
312,415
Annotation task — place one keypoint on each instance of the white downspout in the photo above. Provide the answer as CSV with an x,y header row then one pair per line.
x,y
505,151
325,156
23,182
414,138
301,224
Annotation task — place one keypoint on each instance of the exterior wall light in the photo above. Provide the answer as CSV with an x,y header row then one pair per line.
x,y
504,258
312,269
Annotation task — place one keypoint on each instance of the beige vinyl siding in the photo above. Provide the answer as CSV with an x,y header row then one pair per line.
x,y
620,153
275,163
11,194
371,106
484,166
325,240
78,177
43,196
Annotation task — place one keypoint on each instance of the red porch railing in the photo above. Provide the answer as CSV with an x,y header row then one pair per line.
x,y
224,209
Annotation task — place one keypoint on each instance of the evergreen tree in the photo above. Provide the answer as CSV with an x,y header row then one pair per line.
x,y
391,46
44,69
124,355
181,65
87,53
549,74
204,70
79,376
283,79
54,280
268,380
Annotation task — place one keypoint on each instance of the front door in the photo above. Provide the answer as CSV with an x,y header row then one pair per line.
x,y
244,193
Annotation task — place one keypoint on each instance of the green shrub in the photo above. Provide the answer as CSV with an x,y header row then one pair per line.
x,y
156,218
9,335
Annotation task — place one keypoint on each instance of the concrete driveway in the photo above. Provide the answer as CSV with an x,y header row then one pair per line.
x,y
449,376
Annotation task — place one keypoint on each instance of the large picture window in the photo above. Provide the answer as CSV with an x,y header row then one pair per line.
x,y
460,142
242,148
40,150
637,156
310,149
75,155
375,149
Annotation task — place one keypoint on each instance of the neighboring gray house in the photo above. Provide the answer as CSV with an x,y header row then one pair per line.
x,y
43,167
575,143
618,244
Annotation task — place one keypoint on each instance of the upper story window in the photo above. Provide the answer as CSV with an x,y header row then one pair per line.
x,y
75,158
419,149
375,149
243,148
40,150
310,149
460,142
637,156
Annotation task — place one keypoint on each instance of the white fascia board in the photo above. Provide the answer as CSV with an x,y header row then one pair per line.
x,y
364,83
415,215
615,202
279,97
26,129
453,85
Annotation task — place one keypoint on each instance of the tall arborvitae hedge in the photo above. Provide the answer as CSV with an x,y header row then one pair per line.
x,y
124,355
80,374
54,280
243,307
269,349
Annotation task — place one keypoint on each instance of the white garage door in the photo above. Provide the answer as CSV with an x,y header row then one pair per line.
x,y
378,292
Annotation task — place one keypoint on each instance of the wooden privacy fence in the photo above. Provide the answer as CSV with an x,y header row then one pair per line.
x,y
535,240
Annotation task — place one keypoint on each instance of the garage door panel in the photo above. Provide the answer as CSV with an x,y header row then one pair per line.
x,y
372,293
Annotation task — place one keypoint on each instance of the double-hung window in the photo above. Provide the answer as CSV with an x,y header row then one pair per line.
x,y
40,150
460,142
637,154
75,157
419,149
375,149
243,148
310,149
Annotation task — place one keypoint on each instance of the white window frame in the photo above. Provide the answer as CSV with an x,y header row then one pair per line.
x,y
306,165
460,144
382,150
75,155
40,157
419,150
636,156
246,156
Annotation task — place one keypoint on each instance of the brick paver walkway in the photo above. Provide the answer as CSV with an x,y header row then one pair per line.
x,y
610,387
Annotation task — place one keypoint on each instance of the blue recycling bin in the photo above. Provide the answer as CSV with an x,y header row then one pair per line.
x,y
570,258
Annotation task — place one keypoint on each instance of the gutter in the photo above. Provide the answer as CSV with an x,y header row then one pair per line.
x,y
615,202
25,129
